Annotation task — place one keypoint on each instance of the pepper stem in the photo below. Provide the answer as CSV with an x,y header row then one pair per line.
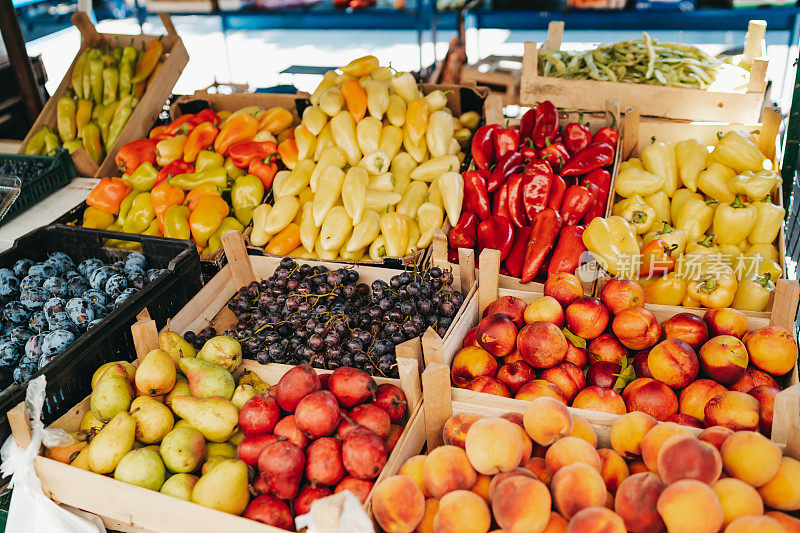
x,y
707,242
763,280
665,229
638,217
737,203
708,285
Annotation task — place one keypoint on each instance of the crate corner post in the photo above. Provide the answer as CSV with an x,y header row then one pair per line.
x,y
437,402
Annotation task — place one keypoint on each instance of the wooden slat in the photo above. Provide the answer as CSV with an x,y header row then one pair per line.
x,y
236,253
466,266
436,401
145,337
489,281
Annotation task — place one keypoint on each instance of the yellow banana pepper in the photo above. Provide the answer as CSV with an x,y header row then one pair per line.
x,y
170,149
328,192
691,156
383,74
694,218
451,186
714,180
375,163
436,99
314,119
402,166
277,182
394,229
413,198
755,185
633,162
659,159
417,115
353,257
328,81
612,242
430,217
769,219
331,157
678,199
753,293
382,182
140,215
153,230
343,129
364,232
377,250
405,86
380,201
417,151
354,193
734,221
666,290
738,151
282,214
324,255
306,142
232,170
361,66
396,111
439,133
305,196
324,141
413,236
660,203
298,179
767,251
335,229
207,159
368,133
227,224
263,136
637,212
672,237
331,101
633,180
433,168
377,98
308,230
391,140
434,196
469,120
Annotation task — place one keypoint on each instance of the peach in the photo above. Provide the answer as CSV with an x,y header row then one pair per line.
x,y
567,377
685,420
732,409
603,374
413,469
724,359
575,355
789,523
565,288
772,349
577,486
596,520
726,321
527,443
637,467
521,504
583,430
690,506
673,362
655,438
737,499
497,334
613,468
599,399
715,435
751,457
753,378
765,395
687,327
650,396
545,309
685,457
489,385
514,417
606,347
538,467
497,478
462,511
542,344
569,450
586,317
481,486
426,524
470,363
640,364
455,429
628,431
635,502
636,328
397,504
513,357
446,469
547,420
510,306
539,388
515,375
621,293
755,524
782,492
557,524
494,445
696,395
470,338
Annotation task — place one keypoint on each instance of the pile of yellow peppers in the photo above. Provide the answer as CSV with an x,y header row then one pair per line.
x,y
376,169
696,225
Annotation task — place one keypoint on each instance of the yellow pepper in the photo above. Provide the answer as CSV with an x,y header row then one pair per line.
x,y
306,142
413,198
666,290
451,187
207,159
278,181
380,201
297,180
284,242
361,66
767,251
634,162
430,217
368,133
282,214
417,151
729,254
94,218
694,218
734,221
405,86
335,229
176,222
353,257
770,267
328,81
714,180
396,111
238,128
672,237
755,185
660,203
377,250
612,242
328,192
215,241
153,230
259,236
232,170
354,193
331,157
314,119
436,99
439,133
322,254
382,182
377,98
691,156
364,233
375,163
433,168
394,229
417,115
140,214
678,199
383,74
637,212
434,196
737,151
143,178
769,220
659,159
715,286
748,264
402,166
343,128
246,194
469,120
125,208
413,236
753,293
324,141
206,217
305,196
308,230
708,245
633,180
391,140
331,101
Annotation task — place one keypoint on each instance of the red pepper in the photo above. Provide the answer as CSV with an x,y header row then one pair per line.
x,y
607,134
500,202
517,254
599,184
182,124
555,153
133,154
179,166
206,115
577,201
546,127
516,209
536,187
527,151
557,190
465,233
505,140
243,153
264,170
526,125
577,136
511,163
567,255
476,197
657,259
546,226
483,146
496,233
590,158
452,255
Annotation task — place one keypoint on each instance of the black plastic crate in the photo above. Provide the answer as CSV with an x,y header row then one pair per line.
x,y
33,189
69,375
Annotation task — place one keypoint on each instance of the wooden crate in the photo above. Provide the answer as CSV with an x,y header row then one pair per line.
x,y
787,402
232,102
145,113
502,80
652,100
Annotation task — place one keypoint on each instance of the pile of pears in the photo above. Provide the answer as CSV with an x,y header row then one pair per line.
x,y
170,425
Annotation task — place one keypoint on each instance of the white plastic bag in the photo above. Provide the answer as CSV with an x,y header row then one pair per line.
x,y
339,513
31,511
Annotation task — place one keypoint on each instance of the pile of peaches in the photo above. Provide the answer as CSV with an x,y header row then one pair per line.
x,y
542,472
611,354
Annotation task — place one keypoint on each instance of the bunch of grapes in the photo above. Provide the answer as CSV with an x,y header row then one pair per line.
x,y
304,314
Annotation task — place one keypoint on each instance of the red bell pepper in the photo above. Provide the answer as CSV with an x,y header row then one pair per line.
x,y
526,125
511,163
577,201
577,136
182,124
179,166
527,151
599,184
536,184
505,140
465,233
483,145
567,255
607,134
452,255
496,233
500,202
243,153
476,197
206,115
557,190
590,158
264,170
516,209
546,227
556,154
546,127
517,254
133,154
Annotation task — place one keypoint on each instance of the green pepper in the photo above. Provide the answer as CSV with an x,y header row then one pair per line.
x,y
65,118
110,83
141,214
51,141
116,53
92,143
86,82
216,176
96,66
125,75
121,116
215,241
143,178
246,194
125,207
176,222
105,116
77,73
73,145
35,145
96,110
153,229
129,53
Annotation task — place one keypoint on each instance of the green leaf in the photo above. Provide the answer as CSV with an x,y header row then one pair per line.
x,y
624,377
578,342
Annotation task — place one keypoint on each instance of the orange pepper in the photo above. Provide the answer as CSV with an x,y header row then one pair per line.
x,y
108,195
356,99
202,190
154,74
158,131
200,138
657,259
285,241
139,88
208,213
417,119
164,196
264,170
238,129
288,152
275,120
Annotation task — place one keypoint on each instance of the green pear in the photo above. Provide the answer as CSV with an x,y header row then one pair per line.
x,y
156,373
112,395
241,394
216,418
179,486
175,346
130,371
143,468
181,388
223,351
183,449
212,462
153,419
222,449
224,488
236,439
206,379
111,444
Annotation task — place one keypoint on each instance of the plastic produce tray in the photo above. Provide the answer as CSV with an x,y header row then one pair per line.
x,y
58,175
69,375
